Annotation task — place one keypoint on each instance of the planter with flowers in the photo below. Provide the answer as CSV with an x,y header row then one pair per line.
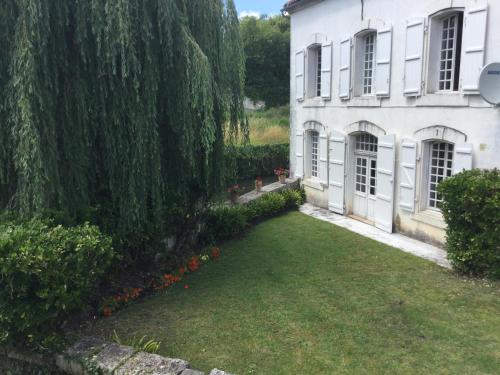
x,y
282,174
234,192
258,184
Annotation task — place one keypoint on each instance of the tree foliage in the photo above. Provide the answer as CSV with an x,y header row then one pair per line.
x,y
119,104
267,48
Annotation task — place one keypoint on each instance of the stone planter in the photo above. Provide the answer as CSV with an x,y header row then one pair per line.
x,y
282,179
258,185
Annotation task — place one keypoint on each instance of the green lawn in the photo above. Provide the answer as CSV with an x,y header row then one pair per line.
x,y
300,296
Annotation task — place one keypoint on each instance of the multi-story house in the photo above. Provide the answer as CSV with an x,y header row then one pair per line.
x,y
385,104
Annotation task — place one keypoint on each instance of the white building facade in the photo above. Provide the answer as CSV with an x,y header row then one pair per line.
x,y
385,105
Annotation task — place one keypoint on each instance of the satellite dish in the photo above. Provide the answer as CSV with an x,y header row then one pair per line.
x,y
489,83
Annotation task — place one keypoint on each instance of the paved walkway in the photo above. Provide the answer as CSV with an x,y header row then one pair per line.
x,y
409,245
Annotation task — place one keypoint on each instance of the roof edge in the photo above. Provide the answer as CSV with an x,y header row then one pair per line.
x,y
292,6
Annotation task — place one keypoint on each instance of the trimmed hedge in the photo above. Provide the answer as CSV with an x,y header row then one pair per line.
x,y
47,273
471,208
248,162
225,222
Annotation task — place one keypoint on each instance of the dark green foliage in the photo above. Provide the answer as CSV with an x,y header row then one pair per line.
x,y
471,208
269,205
224,222
117,104
47,273
267,49
248,162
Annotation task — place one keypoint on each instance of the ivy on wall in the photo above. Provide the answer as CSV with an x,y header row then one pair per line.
x,y
121,104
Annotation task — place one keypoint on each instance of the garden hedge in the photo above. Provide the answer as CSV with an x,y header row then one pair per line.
x,y
225,222
47,273
248,161
471,208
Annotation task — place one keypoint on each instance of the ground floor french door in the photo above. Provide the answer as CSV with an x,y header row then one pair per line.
x,y
365,177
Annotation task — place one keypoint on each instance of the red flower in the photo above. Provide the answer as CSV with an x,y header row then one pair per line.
x,y
182,271
107,312
186,286
215,253
193,264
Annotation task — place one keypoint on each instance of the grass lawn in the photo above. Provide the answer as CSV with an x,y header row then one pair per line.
x,y
269,126
300,296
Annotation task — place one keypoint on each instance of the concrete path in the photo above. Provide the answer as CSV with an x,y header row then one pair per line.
x,y
409,245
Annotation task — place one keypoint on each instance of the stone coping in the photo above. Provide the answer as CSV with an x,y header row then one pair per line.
x,y
91,356
271,188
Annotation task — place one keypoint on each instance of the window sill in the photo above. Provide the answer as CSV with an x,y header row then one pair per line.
x,y
431,217
443,99
313,184
313,102
364,101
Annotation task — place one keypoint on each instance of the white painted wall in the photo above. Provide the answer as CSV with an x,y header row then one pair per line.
x,y
330,21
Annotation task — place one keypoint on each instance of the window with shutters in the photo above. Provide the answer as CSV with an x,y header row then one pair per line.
x,y
445,51
364,71
314,156
440,167
314,71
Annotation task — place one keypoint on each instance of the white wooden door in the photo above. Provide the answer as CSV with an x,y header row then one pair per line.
x,y
365,186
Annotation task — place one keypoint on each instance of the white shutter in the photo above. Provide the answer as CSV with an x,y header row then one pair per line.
x,y
345,69
383,69
473,47
462,158
299,154
384,205
299,74
323,158
336,182
407,175
415,30
326,71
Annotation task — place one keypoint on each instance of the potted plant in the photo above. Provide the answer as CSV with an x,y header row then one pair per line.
x,y
282,174
258,184
234,192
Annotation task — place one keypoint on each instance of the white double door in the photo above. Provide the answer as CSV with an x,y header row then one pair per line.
x,y
365,186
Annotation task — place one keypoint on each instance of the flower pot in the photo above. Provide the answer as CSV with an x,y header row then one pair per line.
x,y
282,179
258,185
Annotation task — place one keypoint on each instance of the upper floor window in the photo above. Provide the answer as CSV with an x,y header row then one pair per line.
x,y
369,44
364,70
445,52
314,70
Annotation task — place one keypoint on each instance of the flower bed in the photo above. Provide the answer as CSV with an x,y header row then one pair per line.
x,y
159,283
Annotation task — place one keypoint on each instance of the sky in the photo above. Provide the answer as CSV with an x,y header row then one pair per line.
x,y
257,7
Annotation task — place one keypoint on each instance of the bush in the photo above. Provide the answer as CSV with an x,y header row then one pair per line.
x,y
47,273
471,208
225,222
247,162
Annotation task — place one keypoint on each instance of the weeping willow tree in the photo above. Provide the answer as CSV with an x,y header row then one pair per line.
x,y
121,104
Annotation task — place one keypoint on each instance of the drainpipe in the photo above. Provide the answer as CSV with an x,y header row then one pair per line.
x,y
362,10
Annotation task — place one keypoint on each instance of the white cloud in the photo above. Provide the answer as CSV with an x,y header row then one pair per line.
x,y
250,13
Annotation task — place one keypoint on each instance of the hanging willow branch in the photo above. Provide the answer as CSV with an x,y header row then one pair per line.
x,y
118,104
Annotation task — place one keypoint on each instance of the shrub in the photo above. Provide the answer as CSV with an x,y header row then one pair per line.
x,y
294,198
47,273
471,208
269,205
224,222
247,162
